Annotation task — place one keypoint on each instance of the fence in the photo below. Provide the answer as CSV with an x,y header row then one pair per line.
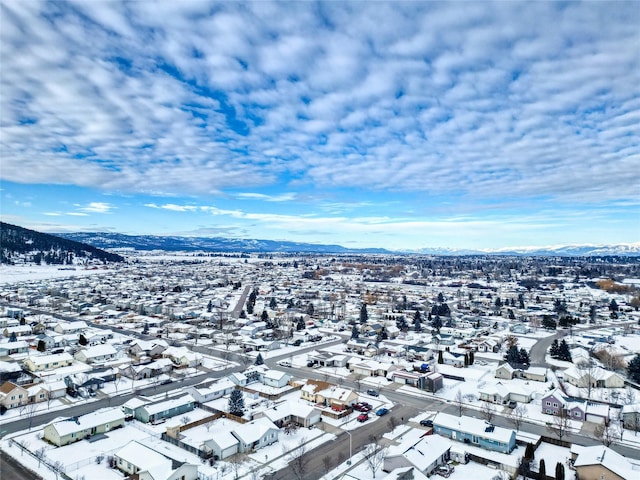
x,y
42,459
186,446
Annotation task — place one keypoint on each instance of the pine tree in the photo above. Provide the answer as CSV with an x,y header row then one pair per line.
x,y
542,469
440,359
529,452
563,351
559,471
554,349
82,340
633,369
236,403
436,323
471,357
42,346
259,360
273,304
524,356
354,332
364,315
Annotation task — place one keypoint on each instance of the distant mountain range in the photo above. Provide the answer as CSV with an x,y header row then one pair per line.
x,y
217,244
625,250
108,240
18,244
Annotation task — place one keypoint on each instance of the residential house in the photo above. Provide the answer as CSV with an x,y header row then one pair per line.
x,y
9,371
425,455
222,445
182,357
97,354
631,417
48,362
216,390
503,393
451,359
64,432
537,374
505,371
593,376
556,403
336,397
48,341
18,331
13,348
301,414
255,434
70,327
275,378
145,463
600,462
157,412
12,395
37,393
475,432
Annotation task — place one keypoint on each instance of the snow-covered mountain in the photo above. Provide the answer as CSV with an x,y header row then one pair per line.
x,y
177,243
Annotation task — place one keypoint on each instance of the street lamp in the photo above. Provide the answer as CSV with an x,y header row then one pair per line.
x,y
350,452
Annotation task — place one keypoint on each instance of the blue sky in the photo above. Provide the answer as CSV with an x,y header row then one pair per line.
x,y
368,124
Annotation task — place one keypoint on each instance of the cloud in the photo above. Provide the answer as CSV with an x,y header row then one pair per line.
x,y
96,207
471,103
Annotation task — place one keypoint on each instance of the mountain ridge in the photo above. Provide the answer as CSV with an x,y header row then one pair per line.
x,y
109,240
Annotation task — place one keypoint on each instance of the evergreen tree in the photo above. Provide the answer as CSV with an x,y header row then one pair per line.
x,y
265,316
82,340
440,359
273,304
364,315
633,369
559,471
563,351
524,357
436,323
259,360
41,346
529,452
466,359
440,298
354,332
310,309
471,357
417,321
542,469
13,337
554,349
548,323
513,355
593,313
236,403
300,324
613,306
209,306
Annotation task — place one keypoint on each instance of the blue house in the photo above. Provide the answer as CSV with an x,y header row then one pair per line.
x,y
475,431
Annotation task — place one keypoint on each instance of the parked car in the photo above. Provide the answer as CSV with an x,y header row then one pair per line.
x,y
382,411
426,422
363,417
297,343
444,470
512,404
372,392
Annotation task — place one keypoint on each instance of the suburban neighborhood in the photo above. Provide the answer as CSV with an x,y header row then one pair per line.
x,y
200,366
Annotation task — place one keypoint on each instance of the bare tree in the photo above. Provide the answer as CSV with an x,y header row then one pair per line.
x,y
40,455
488,411
298,460
29,411
185,419
374,455
518,415
236,462
560,425
209,424
459,402
607,434
392,422
589,374
326,462
23,444
357,380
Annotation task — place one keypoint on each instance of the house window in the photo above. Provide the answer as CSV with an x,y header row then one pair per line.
x,y
555,405
548,404
577,414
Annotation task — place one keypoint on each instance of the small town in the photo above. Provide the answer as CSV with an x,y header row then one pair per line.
x,y
177,365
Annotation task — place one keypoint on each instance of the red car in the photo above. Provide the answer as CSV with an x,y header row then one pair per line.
x,y
363,417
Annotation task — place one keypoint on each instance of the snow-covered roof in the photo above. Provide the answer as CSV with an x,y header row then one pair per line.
x,y
51,358
253,431
168,404
611,460
473,426
423,453
99,351
90,420
142,457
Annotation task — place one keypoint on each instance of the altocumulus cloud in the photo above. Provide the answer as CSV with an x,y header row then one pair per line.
x,y
482,100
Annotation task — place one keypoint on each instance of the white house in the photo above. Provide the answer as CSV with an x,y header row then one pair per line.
x,y
275,378
138,459
223,444
97,354
255,434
